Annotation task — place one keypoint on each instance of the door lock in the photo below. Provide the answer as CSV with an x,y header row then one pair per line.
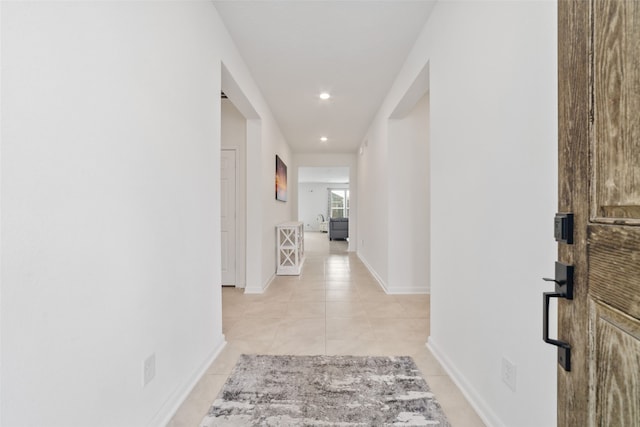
x,y
563,280
563,228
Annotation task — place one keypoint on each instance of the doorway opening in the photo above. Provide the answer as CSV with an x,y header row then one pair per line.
x,y
324,200
239,130
409,201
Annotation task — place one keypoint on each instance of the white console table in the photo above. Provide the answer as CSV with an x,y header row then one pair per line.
x,y
290,246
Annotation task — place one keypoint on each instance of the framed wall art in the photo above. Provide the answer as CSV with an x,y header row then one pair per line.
x,y
281,180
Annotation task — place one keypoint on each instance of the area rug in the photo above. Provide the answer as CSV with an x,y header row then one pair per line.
x,y
325,391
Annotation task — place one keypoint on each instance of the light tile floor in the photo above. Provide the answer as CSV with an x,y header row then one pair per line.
x,y
334,307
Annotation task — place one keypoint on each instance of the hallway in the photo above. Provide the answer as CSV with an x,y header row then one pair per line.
x,y
334,307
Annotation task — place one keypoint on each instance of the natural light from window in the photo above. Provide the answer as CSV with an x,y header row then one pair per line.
x,y
339,203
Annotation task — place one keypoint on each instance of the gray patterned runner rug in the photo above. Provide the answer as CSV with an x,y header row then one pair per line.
x,y
325,391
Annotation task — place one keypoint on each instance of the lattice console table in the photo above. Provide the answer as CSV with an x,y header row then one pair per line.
x,y
290,242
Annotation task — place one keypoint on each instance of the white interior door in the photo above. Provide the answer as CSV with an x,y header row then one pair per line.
x,y
228,216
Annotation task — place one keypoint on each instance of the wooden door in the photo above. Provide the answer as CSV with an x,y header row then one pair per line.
x,y
228,216
599,181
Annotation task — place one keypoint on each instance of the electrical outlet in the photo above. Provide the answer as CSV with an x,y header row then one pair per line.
x,y
148,369
509,372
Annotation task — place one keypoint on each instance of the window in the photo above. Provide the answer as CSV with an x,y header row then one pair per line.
x,y
338,203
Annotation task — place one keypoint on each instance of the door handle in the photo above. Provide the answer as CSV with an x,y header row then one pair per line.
x,y
557,282
564,349
564,289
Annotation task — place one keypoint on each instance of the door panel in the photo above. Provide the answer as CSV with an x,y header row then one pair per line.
x,y
616,368
616,98
614,267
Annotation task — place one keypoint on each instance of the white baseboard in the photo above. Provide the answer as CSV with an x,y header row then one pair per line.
x,y
409,290
381,282
406,290
474,398
177,398
254,290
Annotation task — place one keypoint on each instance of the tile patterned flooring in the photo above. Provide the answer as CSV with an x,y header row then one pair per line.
x,y
334,307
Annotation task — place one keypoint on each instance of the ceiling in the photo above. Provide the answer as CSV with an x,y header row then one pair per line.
x,y
333,175
351,49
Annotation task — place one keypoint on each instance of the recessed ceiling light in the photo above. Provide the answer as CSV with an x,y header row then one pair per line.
x,y
325,95
323,139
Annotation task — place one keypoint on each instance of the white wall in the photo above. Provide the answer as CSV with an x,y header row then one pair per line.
x,y
234,136
255,203
409,238
373,188
313,199
274,211
110,206
340,160
493,106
